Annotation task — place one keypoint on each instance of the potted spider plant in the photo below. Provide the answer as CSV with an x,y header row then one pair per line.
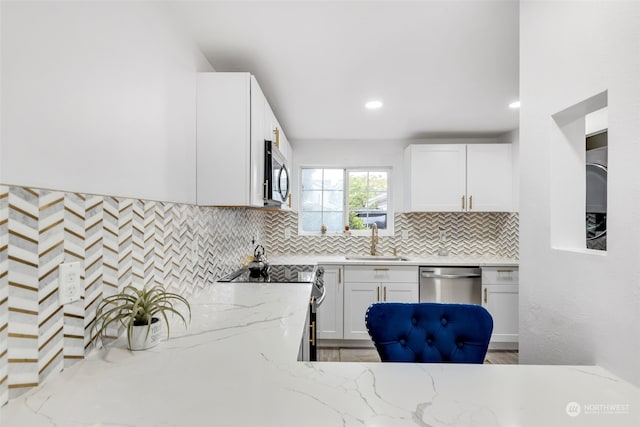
x,y
141,311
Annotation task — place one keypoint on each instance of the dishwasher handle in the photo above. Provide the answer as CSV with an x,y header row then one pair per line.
x,y
432,275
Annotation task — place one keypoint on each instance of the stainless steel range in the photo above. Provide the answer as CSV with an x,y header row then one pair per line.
x,y
291,273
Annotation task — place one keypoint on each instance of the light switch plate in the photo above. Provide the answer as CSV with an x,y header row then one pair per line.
x,y
405,234
70,285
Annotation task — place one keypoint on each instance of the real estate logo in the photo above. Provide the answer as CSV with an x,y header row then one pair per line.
x,y
573,409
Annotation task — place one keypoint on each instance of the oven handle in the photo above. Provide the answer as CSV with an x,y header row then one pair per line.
x,y
318,301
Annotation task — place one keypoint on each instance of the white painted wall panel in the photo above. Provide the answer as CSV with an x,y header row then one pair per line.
x,y
580,307
98,97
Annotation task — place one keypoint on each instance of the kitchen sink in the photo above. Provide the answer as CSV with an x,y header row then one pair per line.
x,y
376,258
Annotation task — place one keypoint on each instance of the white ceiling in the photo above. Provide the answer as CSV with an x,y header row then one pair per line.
x,y
442,68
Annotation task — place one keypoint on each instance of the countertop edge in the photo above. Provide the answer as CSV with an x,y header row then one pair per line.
x,y
412,260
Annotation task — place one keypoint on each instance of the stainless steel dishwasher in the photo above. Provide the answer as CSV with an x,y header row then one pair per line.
x,y
461,285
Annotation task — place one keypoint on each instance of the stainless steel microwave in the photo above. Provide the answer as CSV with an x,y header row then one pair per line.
x,y
276,176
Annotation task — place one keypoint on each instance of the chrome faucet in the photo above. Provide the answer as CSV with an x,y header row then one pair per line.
x,y
374,238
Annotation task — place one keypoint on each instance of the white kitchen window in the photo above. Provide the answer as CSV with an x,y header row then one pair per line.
x,y
336,198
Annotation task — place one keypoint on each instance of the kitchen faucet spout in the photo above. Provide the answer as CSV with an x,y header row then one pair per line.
x,y
374,238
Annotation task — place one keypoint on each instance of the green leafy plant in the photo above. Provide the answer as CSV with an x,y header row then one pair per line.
x,y
135,307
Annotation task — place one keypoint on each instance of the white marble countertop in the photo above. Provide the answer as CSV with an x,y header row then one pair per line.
x,y
453,260
236,366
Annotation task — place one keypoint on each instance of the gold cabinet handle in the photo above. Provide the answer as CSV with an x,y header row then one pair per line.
x,y
381,269
313,333
462,202
266,186
339,276
385,293
470,202
378,288
276,131
485,295
504,271
289,199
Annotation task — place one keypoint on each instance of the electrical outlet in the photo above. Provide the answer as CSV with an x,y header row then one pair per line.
x,y
443,235
405,234
287,233
70,286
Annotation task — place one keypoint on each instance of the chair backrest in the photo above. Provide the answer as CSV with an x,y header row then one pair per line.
x,y
429,332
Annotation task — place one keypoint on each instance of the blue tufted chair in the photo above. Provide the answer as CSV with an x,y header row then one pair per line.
x,y
429,332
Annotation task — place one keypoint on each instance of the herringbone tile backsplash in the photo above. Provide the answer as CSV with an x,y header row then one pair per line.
x,y
122,241
119,241
473,233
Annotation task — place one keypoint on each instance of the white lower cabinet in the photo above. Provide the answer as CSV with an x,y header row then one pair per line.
x,y
365,285
500,296
330,312
351,289
357,298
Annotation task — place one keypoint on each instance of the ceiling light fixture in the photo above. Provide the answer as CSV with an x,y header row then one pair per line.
x,y
372,105
515,105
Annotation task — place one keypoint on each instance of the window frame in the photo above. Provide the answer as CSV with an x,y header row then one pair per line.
x,y
389,231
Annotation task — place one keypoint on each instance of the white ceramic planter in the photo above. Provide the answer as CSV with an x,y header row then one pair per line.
x,y
139,338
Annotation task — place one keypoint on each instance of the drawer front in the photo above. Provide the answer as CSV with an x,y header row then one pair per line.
x,y
380,274
500,276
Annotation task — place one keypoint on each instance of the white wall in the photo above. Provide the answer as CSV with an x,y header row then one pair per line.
x,y
98,97
579,306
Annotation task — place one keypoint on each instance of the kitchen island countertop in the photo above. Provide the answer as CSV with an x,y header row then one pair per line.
x,y
236,366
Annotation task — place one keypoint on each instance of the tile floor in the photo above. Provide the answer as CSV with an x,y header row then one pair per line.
x,y
340,354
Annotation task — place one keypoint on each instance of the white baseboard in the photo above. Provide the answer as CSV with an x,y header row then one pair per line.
x,y
346,343
503,346
369,344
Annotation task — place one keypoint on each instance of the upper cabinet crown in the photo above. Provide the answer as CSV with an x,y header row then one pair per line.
x,y
233,121
459,178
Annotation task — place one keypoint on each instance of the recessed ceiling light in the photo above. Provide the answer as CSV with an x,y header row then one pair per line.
x,y
372,105
515,105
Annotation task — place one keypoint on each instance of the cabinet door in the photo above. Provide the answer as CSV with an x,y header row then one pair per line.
x,y
400,292
287,149
287,152
502,302
330,313
437,177
270,123
381,274
489,178
357,299
223,135
230,146
503,275
257,144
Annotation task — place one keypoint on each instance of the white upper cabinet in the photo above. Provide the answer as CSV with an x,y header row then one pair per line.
x,y
436,177
459,178
489,178
230,141
273,132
